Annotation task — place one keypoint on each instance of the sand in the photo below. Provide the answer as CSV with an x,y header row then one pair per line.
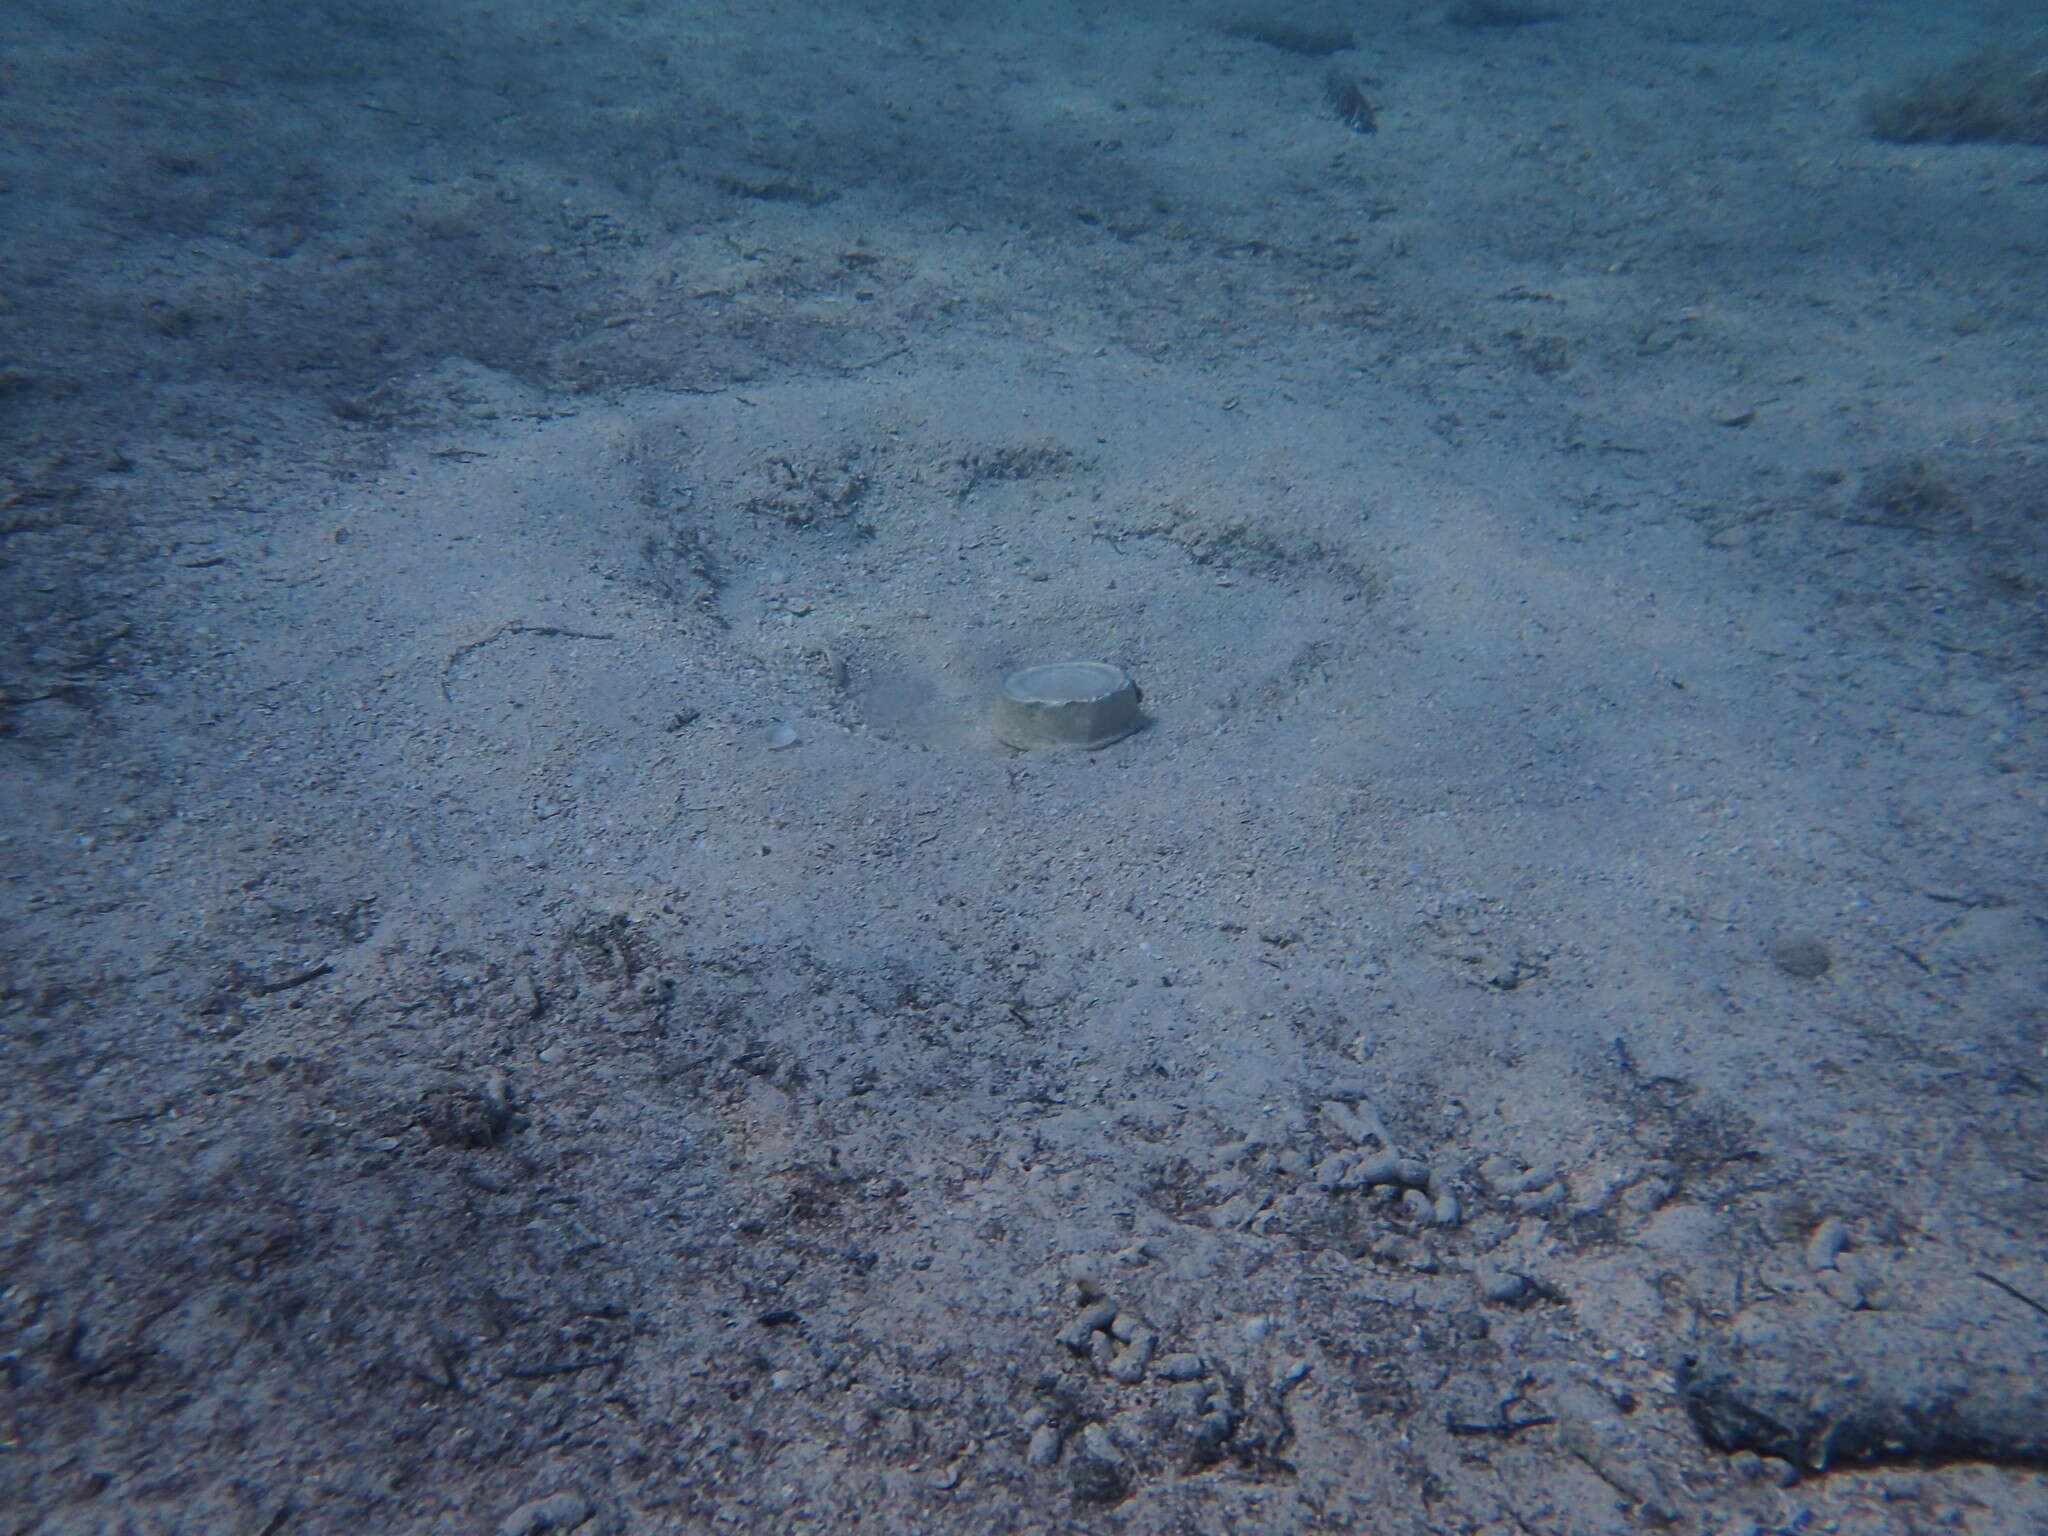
x,y
534,1000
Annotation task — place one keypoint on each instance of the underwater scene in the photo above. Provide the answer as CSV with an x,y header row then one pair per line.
x,y
907,768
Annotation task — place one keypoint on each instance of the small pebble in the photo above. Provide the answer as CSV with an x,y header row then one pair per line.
x,y
1393,1248
1375,1168
1416,1206
526,992
1845,1288
1181,1367
1800,955
1506,1180
1126,1326
495,1181
1092,1480
1646,1196
1095,1442
781,738
1095,1317
1345,1121
557,1512
1829,1241
1502,1286
1129,1365
1044,1449
1331,1170
1448,1212
1233,1213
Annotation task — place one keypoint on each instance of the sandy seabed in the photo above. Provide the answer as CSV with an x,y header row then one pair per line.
x,y
532,1001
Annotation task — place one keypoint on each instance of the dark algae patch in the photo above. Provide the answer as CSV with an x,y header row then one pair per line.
x,y
1345,96
1995,96
1311,41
